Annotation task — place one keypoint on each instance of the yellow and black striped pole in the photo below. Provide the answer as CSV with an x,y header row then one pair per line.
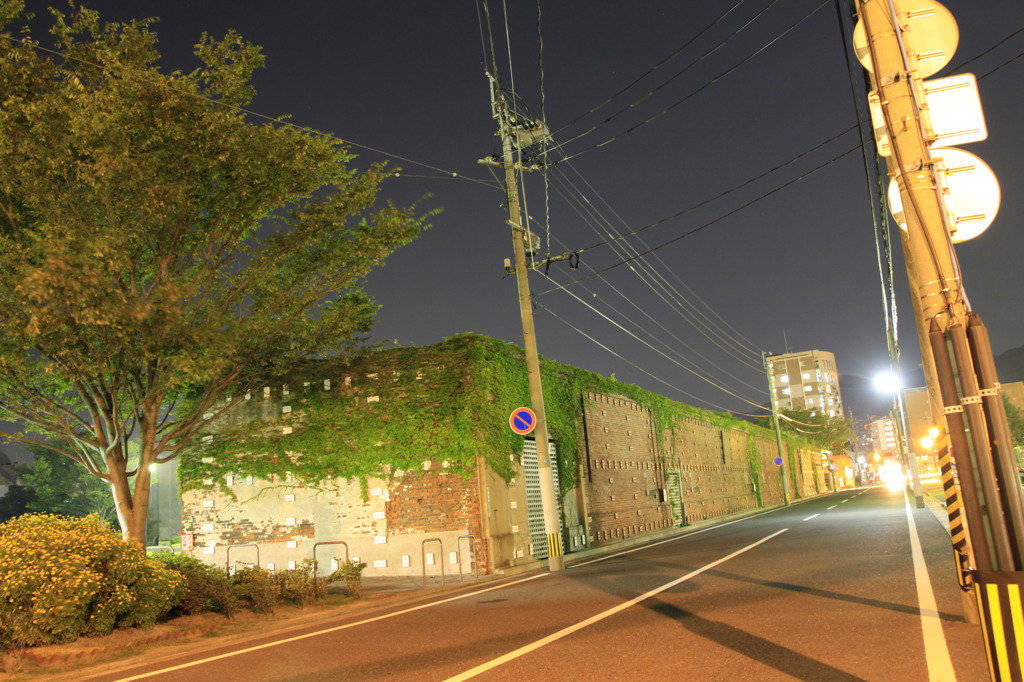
x,y
957,520
1002,620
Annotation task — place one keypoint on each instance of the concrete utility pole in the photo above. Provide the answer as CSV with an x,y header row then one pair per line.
x,y
511,132
902,42
778,430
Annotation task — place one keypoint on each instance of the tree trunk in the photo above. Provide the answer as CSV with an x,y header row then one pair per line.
x,y
132,510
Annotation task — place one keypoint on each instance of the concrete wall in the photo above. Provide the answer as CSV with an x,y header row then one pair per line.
x,y
384,526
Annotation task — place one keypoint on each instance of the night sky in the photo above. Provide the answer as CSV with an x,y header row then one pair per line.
x,y
404,81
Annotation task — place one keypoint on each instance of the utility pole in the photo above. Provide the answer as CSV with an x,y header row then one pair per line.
x,y
512,131
902,43
778,431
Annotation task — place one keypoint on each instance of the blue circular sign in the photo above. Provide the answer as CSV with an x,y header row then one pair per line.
x,y
523,420
778,461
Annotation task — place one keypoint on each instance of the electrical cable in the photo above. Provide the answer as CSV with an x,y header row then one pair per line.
x,y
249,112
708,324
649,275
653,376
664,61
708,224
692,94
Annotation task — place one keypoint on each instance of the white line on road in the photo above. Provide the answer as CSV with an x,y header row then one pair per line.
x,y
328,630
493,663
832,507
811,517
936,653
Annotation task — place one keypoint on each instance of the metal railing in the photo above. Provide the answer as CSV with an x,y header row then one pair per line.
x,y
472,548
316,564
227,554
423,559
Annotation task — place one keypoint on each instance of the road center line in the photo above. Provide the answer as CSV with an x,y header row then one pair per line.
x,y
533,646
936,653
811,517
832,507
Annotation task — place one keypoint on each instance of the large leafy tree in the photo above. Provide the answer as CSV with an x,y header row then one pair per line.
x,y
157,244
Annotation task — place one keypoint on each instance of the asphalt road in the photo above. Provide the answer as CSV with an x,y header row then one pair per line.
x,y
822,590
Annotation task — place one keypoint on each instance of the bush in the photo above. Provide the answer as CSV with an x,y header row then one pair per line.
x,y
256,589
63,577
299,586
207,587
352,574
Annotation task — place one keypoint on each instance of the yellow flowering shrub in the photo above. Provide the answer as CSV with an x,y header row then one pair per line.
x,y
62,577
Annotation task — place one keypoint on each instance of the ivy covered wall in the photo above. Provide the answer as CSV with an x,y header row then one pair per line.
x,y
389,410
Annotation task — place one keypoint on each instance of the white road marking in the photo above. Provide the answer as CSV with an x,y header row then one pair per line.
x,y
328,630
936,652
832,507
533,646
811,517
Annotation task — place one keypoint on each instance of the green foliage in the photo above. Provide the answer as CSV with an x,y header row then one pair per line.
x,y
64,577
207,588
15,502
299,586
449,402
256,589
155,242
59,485
1016,422
351,573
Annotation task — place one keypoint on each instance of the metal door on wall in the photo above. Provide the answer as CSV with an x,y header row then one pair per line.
x,y
534,507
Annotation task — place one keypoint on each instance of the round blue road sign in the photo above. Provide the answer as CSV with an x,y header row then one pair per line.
x,y
778,461
523,420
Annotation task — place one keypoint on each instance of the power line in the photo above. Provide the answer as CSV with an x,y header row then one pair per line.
x,y
692,94
664,61
712,222
272,119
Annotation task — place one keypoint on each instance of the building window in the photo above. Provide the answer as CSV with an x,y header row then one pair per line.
x,y
805,376
784,378
785,391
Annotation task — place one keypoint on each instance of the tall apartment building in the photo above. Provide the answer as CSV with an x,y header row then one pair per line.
x,y
807,381
883,437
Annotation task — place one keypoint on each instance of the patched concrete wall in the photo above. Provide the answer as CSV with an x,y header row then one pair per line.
x,y
286,520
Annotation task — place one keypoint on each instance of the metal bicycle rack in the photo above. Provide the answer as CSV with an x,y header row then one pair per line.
x,y
316,564
472,548
227,554
160,548
423,559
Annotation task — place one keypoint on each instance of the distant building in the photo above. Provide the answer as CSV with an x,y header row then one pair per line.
x,y
883,437
807,381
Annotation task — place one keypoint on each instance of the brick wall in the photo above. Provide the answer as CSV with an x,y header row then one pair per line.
x,y
625,477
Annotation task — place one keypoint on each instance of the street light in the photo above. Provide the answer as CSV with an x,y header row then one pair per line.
x,y
889,382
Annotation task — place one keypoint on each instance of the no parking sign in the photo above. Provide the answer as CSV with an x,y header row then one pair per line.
x,y
522,420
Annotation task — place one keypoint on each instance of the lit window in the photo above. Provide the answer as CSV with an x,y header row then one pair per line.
x,y
785,391
808,388
810,401
784,378
805,376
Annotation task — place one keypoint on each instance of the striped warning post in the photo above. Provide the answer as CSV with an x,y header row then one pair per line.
x,y
954,510
554,544
1002,620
